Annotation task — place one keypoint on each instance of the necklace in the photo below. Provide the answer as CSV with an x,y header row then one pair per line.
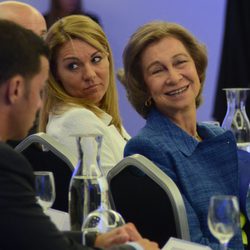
x,y
197,137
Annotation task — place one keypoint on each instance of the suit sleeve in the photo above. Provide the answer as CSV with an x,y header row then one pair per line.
x,y
23,223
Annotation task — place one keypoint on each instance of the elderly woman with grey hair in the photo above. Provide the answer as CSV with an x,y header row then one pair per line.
x,y
164,74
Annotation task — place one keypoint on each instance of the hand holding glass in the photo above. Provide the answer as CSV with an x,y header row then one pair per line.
x,y
45,189
223,218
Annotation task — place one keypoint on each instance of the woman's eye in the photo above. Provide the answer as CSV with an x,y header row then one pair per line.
x,y
180,62
72,66
157,70
96,59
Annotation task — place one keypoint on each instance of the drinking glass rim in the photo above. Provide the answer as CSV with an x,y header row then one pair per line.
x,y
236,89
224,196
43,172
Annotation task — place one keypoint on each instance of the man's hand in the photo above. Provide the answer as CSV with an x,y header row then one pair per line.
x,y
123,234
119,235
148,245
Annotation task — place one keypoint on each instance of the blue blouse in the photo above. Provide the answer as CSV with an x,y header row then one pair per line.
x,y
200,169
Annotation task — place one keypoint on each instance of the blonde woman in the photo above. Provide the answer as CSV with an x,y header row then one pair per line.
x,y
81,96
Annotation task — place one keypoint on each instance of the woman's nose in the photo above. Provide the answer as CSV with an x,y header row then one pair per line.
x,y
89,73
173,76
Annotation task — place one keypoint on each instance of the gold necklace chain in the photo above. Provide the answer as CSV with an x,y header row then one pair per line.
x,y
197,137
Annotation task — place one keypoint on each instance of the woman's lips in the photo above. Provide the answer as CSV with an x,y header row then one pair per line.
x,y
177,91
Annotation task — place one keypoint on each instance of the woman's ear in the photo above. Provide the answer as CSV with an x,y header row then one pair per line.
x,y
15,89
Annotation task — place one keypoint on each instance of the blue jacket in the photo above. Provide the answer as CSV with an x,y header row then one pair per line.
x,y
200,169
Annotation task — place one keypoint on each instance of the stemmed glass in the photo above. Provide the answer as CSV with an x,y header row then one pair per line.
x,y
45,189
223,218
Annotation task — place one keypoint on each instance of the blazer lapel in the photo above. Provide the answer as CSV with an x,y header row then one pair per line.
x,y
183,142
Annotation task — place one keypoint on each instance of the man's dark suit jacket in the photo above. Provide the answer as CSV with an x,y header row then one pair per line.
x,y
23,224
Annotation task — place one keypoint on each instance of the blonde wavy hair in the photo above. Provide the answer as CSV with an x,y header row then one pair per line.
x,y
132,77
55,97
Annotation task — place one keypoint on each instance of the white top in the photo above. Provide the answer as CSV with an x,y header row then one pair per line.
x,y
81,121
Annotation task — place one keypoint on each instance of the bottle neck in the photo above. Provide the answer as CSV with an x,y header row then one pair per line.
x,y
236,99
89,157
103,183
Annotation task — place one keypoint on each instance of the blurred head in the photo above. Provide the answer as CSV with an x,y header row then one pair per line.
x,y
152,33
83,41
66,5
61,8
23,72
24,15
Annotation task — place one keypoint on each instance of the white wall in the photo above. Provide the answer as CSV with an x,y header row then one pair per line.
x,y
120,18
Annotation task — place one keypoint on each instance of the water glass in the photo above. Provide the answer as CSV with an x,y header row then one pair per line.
x,y
45,189
223,218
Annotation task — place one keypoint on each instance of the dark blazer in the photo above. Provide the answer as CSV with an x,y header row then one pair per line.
x,y
23,224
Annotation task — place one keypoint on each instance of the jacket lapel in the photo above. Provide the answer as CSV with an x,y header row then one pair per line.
x,y
169,130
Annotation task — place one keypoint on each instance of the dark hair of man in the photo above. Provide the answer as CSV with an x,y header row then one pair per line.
x,y
20,51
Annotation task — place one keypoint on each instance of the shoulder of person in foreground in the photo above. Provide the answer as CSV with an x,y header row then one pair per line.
x,y
22,218
14,163
21,187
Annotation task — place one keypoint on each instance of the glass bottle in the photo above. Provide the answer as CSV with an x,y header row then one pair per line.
x,y
84,190
104,218
236,118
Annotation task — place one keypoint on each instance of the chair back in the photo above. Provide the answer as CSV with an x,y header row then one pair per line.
x,y
46,154
146,196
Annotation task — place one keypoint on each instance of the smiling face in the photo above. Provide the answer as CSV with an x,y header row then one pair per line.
x,y
171,76
83,70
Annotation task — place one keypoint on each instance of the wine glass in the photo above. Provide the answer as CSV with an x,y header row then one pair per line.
x,y
45,189
223,218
